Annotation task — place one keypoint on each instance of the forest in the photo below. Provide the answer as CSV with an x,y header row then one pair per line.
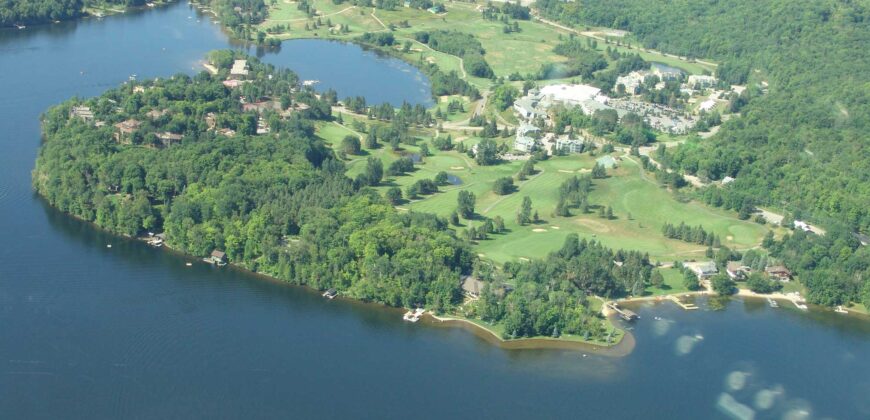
x,y
800,144
249,177
27,12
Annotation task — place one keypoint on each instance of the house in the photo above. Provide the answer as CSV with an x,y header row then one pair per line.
x,y
703,270
727,180
262,126
804,226
155,114
227,132
124,131
168,139
261,106
82,112
606,161
778,272
240,68
211,120
233,83
472,287
138,89
217,257
736,270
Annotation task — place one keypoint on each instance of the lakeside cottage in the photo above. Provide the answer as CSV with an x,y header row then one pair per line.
x,y
703,270
778,272
472,287
736,270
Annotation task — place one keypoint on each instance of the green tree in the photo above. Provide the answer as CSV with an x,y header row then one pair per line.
x,y
465,204
524,215
350,144
374,170
394,195
723,285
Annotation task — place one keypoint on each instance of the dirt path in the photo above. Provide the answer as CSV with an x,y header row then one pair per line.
x,y
377,19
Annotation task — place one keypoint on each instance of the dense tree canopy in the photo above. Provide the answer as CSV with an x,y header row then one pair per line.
x,y
801,142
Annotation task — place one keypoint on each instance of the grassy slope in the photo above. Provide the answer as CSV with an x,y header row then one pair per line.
x,y
626,191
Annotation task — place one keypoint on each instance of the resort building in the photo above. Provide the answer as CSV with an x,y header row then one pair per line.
x,y
569,145
527,137
698,82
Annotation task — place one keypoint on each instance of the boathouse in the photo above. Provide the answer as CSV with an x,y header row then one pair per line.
x,y
217,257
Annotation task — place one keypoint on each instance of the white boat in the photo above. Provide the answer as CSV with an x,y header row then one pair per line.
x,y
801,306
841,310
413,315
772,303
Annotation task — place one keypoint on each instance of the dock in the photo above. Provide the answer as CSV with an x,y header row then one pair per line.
x,y
625,314
684,305
330,293
414,315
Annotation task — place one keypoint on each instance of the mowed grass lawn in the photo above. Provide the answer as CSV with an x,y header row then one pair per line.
x,y
625,191
522,52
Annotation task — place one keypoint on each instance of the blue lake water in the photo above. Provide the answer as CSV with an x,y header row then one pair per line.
x,y
88,331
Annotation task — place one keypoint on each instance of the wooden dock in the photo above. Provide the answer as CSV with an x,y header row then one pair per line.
x,y
625,314
684,305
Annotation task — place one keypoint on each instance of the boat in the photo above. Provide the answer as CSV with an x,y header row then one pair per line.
x,y
330,293
772,303
800,306
413,315
20,26
841,310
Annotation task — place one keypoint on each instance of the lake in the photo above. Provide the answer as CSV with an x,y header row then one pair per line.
x,y
88,331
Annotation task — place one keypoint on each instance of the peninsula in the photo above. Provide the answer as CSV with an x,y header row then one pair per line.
x,y
559,169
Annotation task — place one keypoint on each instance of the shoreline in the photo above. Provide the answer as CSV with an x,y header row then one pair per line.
x,y
744,293
624,347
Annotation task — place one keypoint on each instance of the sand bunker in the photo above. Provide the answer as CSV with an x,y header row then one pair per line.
x,y
457,167
539,230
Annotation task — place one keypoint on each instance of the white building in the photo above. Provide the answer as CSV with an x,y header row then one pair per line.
x,y
240,68
570,94
527,138
697,81
568,145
